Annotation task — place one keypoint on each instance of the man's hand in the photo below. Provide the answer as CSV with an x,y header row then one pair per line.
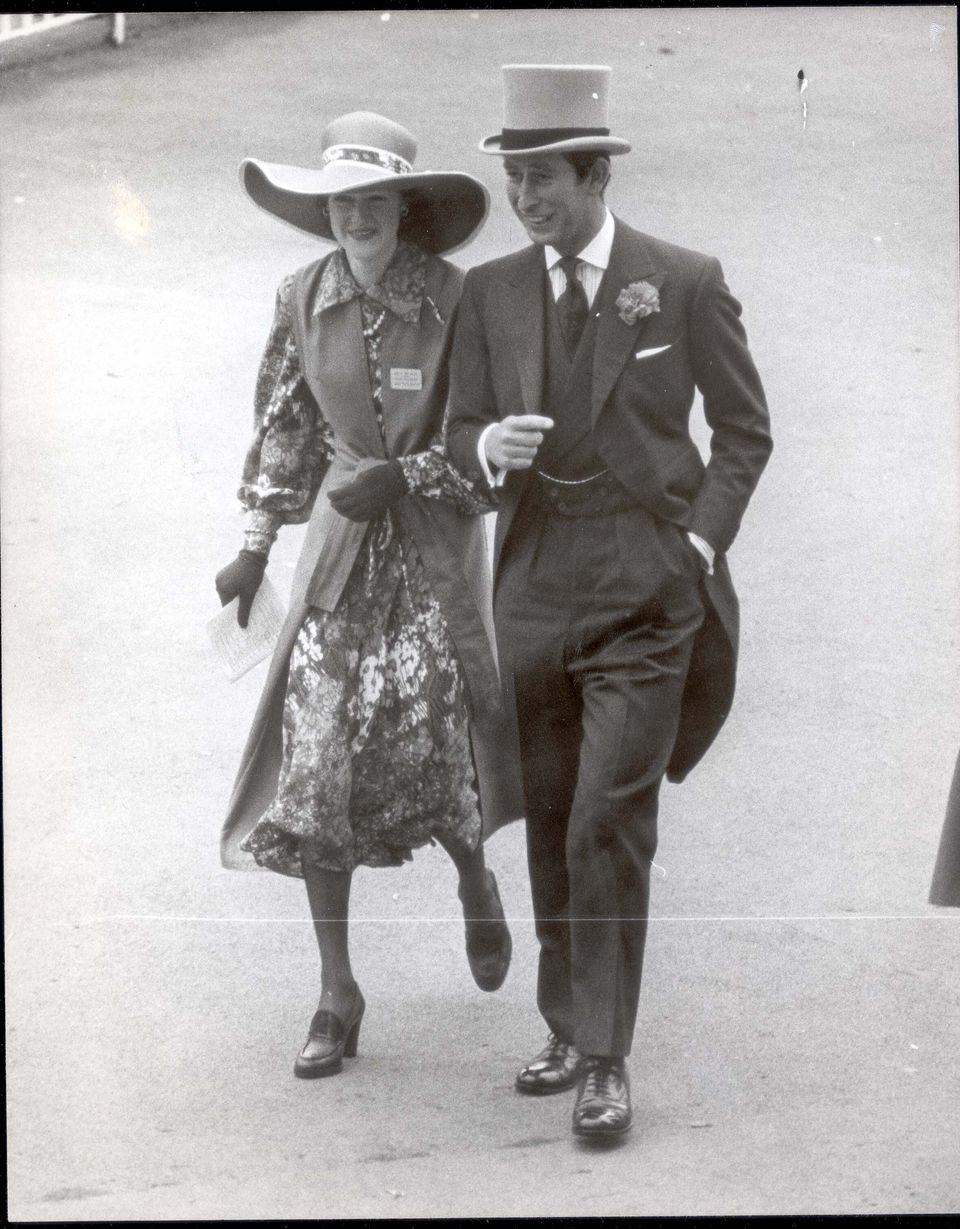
x,y
372,493
513,442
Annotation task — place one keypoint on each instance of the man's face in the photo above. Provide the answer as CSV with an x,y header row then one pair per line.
x,y
554,205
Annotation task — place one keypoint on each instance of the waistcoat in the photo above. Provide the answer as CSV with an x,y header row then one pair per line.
x,y
567,451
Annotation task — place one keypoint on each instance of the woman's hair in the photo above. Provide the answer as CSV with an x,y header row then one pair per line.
x,y
411,220
407,199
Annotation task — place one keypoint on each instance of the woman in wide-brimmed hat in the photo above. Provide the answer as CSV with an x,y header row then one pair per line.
x,y
380,723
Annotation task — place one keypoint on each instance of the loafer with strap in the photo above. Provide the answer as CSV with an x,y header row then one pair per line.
x,y
329,1041
553,1070
602,1107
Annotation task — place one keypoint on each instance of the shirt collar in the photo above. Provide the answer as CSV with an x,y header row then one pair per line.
x,y
597,251
400,290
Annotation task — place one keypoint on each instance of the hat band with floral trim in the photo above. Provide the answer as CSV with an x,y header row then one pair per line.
x,y
367,153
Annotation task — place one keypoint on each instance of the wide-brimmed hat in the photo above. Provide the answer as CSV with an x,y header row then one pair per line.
x,y
365,150
553,109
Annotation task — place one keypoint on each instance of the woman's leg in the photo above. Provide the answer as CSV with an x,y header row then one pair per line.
x,y
474,883
329,895
336,1022
488,938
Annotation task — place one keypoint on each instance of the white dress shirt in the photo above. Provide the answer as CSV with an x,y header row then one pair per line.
x,y
592,263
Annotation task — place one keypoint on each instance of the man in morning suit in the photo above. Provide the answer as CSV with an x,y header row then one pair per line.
x,y
574,368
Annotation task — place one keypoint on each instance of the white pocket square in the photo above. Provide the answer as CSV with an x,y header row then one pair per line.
x,y
651,353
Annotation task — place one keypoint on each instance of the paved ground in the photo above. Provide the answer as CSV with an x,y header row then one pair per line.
x,y
797,1047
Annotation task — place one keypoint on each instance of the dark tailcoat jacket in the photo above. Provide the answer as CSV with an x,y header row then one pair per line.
x,y
452,545
645,375
945,888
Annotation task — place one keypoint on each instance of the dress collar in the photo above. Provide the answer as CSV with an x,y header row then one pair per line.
x,y
597,251
400,290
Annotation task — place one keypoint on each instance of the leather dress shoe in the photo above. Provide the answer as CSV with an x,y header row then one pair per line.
x,y
553,1070
489,946
602,1107
329,1041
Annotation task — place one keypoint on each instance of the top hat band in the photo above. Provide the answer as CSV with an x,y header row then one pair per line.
x,y
532,138
366,153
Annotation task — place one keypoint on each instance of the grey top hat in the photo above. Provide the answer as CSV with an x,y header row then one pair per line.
x,y
364,150
553,109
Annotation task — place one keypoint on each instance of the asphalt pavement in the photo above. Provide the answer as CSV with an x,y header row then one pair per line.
x,y
797,1045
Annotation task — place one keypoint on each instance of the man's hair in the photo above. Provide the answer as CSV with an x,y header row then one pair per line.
x,y
583,162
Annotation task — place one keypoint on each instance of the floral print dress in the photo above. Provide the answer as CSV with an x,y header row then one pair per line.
x,y
376,750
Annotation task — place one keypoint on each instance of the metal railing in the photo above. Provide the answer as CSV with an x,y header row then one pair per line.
x,y
18,25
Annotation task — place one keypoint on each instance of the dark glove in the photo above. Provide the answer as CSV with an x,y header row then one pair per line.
x,y
372,493
241,578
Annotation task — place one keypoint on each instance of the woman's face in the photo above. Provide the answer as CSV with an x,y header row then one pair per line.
x,y
365,224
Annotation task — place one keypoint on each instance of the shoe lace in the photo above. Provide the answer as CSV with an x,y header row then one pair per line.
x,y
555,1048
596,1087
593,1085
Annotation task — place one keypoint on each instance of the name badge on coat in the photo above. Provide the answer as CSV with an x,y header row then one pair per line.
x,y
407,379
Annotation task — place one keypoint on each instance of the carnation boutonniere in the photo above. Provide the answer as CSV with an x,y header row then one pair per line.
x,y
637,300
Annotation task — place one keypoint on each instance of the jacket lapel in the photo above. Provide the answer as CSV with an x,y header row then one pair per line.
x,y
629,262
521,292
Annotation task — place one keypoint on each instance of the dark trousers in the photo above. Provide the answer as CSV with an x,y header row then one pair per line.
x,y
595,622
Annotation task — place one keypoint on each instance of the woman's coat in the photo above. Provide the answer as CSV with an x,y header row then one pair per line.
x,y
451,544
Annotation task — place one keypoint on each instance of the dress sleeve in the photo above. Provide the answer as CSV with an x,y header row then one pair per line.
x,y
292,443
433,475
